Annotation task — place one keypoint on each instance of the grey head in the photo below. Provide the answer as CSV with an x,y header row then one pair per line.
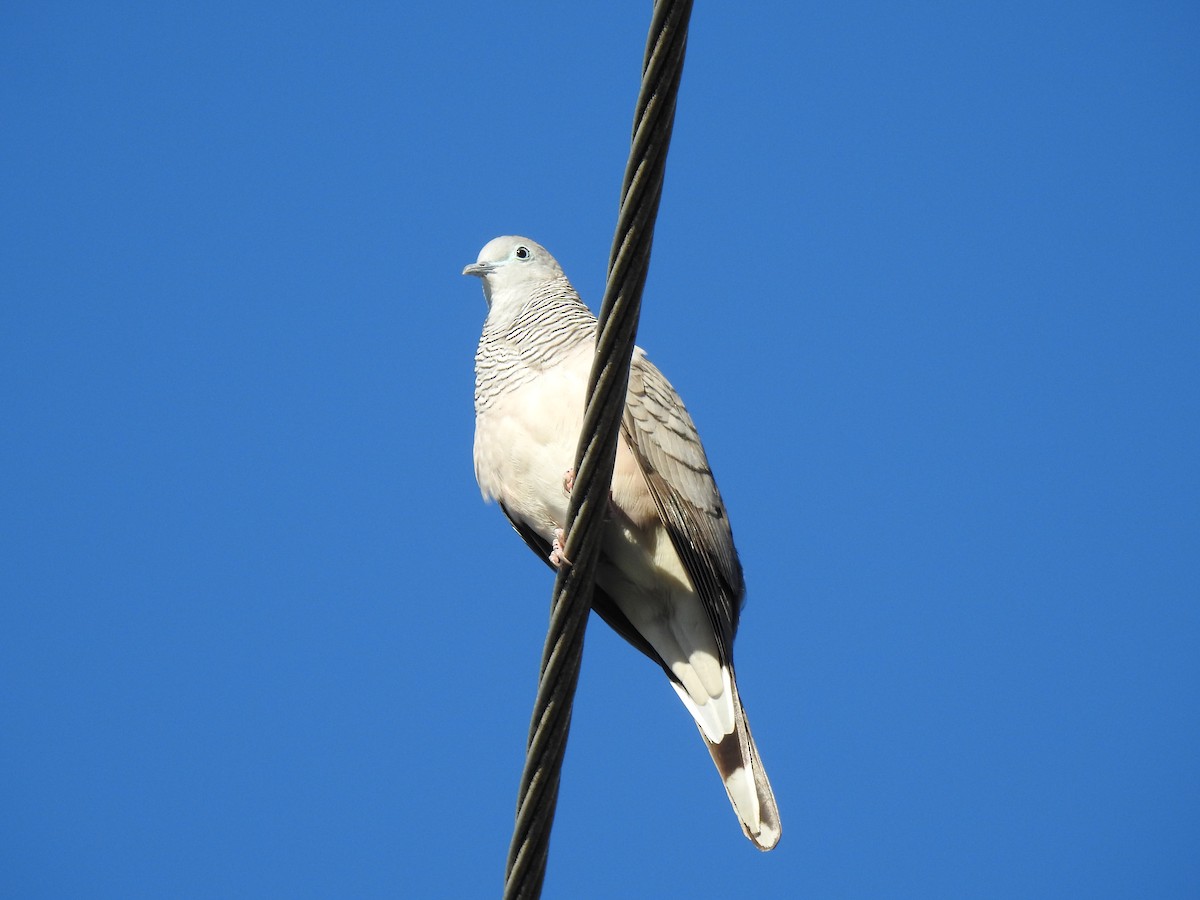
x,y
512,266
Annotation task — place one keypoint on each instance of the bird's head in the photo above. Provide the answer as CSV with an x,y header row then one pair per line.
x,y
511,265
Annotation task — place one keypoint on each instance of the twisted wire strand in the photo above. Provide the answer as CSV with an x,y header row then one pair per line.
x,y
629,261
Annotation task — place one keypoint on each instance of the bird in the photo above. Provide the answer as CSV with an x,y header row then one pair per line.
x,y
668,578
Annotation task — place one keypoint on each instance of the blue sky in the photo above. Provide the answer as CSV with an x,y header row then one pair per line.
x,y
928,280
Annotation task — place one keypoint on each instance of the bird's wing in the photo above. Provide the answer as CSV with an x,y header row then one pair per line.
x,y
663,438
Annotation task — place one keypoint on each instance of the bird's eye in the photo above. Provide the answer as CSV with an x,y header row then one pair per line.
x,y
523,253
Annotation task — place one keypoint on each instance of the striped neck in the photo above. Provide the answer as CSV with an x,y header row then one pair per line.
x,y
520,340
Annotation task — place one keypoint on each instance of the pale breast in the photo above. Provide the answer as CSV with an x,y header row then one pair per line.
x,y
525,443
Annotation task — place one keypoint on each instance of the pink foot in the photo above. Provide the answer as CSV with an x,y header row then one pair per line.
x,y
569,485
558,558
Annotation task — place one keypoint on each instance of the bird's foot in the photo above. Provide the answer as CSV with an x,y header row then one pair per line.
x,y
569,485
558,558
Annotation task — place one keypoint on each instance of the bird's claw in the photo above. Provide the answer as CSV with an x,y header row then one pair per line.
x,y
569,485
558,558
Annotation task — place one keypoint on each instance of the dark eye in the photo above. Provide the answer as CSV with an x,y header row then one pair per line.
x,y
523,253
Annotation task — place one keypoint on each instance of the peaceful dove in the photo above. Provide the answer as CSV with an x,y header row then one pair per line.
x,y
668,579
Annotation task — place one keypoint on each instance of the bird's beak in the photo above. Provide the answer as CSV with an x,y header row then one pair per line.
x,y
478,268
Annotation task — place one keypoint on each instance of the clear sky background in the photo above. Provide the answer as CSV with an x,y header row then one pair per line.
x,y
929,281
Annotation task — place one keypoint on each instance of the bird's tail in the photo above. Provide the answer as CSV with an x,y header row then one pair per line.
x,y
745,779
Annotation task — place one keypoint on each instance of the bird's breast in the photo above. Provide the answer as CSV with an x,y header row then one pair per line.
x,y
525,443
526,438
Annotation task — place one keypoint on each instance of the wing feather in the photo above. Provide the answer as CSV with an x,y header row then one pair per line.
x,y
664,440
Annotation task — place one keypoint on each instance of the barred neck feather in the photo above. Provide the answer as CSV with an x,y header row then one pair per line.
x,y
518,342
